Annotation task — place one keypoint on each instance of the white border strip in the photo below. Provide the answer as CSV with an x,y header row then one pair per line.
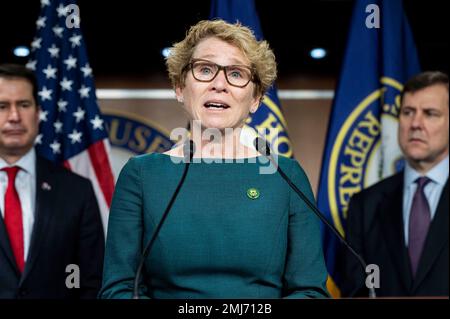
x,y
306,94
168,94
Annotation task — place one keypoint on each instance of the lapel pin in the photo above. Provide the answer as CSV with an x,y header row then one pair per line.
x,y
253,193
46,186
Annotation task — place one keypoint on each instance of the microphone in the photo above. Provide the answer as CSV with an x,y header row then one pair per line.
x,y
263,147
188,152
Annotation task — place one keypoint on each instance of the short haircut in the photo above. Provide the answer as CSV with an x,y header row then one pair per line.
x,y
424,80
259,54
17,71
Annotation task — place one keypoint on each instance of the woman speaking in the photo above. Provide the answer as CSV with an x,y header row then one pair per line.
x,y
231,232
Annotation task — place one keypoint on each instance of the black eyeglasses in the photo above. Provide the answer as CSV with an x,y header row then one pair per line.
x,y
206,71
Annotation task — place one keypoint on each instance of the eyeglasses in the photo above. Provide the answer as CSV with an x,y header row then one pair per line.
x,y
206,71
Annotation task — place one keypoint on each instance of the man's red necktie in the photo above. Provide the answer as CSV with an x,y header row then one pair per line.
x,y
13,217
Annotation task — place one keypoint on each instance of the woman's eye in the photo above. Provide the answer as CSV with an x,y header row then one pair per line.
x,y
206,70
235,74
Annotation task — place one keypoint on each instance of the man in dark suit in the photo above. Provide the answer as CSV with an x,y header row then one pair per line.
x,y
401,223
51,235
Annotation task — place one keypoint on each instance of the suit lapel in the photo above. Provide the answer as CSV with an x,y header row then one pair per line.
x,y
5,246
391,210
45,194
436,239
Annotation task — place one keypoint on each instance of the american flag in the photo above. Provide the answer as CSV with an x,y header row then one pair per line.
x,y
72,130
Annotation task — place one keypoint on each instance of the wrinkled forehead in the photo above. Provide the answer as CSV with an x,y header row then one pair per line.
x,y
220,52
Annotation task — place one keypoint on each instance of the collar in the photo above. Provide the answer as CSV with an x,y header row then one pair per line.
x,y
26,162
438,174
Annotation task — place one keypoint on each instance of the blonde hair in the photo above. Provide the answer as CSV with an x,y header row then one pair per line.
x,y
259,54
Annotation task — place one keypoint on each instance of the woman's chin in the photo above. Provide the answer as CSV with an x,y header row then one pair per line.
x,y
218,125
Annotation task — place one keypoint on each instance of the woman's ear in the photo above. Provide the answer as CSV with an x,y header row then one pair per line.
x,y
255,104
179,94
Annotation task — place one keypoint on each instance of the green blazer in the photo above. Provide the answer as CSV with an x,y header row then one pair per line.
x,y
231,233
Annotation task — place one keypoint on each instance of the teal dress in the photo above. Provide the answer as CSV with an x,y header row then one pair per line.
x,y
231,233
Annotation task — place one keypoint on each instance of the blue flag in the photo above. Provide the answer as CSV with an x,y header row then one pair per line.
x,y
71,130
361,145
269,115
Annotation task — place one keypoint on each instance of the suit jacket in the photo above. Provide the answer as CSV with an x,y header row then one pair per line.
x,y
67,230
375,230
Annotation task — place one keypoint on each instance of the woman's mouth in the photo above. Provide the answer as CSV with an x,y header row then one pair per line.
x,y
216,106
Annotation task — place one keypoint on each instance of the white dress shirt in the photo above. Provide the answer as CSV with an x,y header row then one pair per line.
x,y
433,190
26,188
